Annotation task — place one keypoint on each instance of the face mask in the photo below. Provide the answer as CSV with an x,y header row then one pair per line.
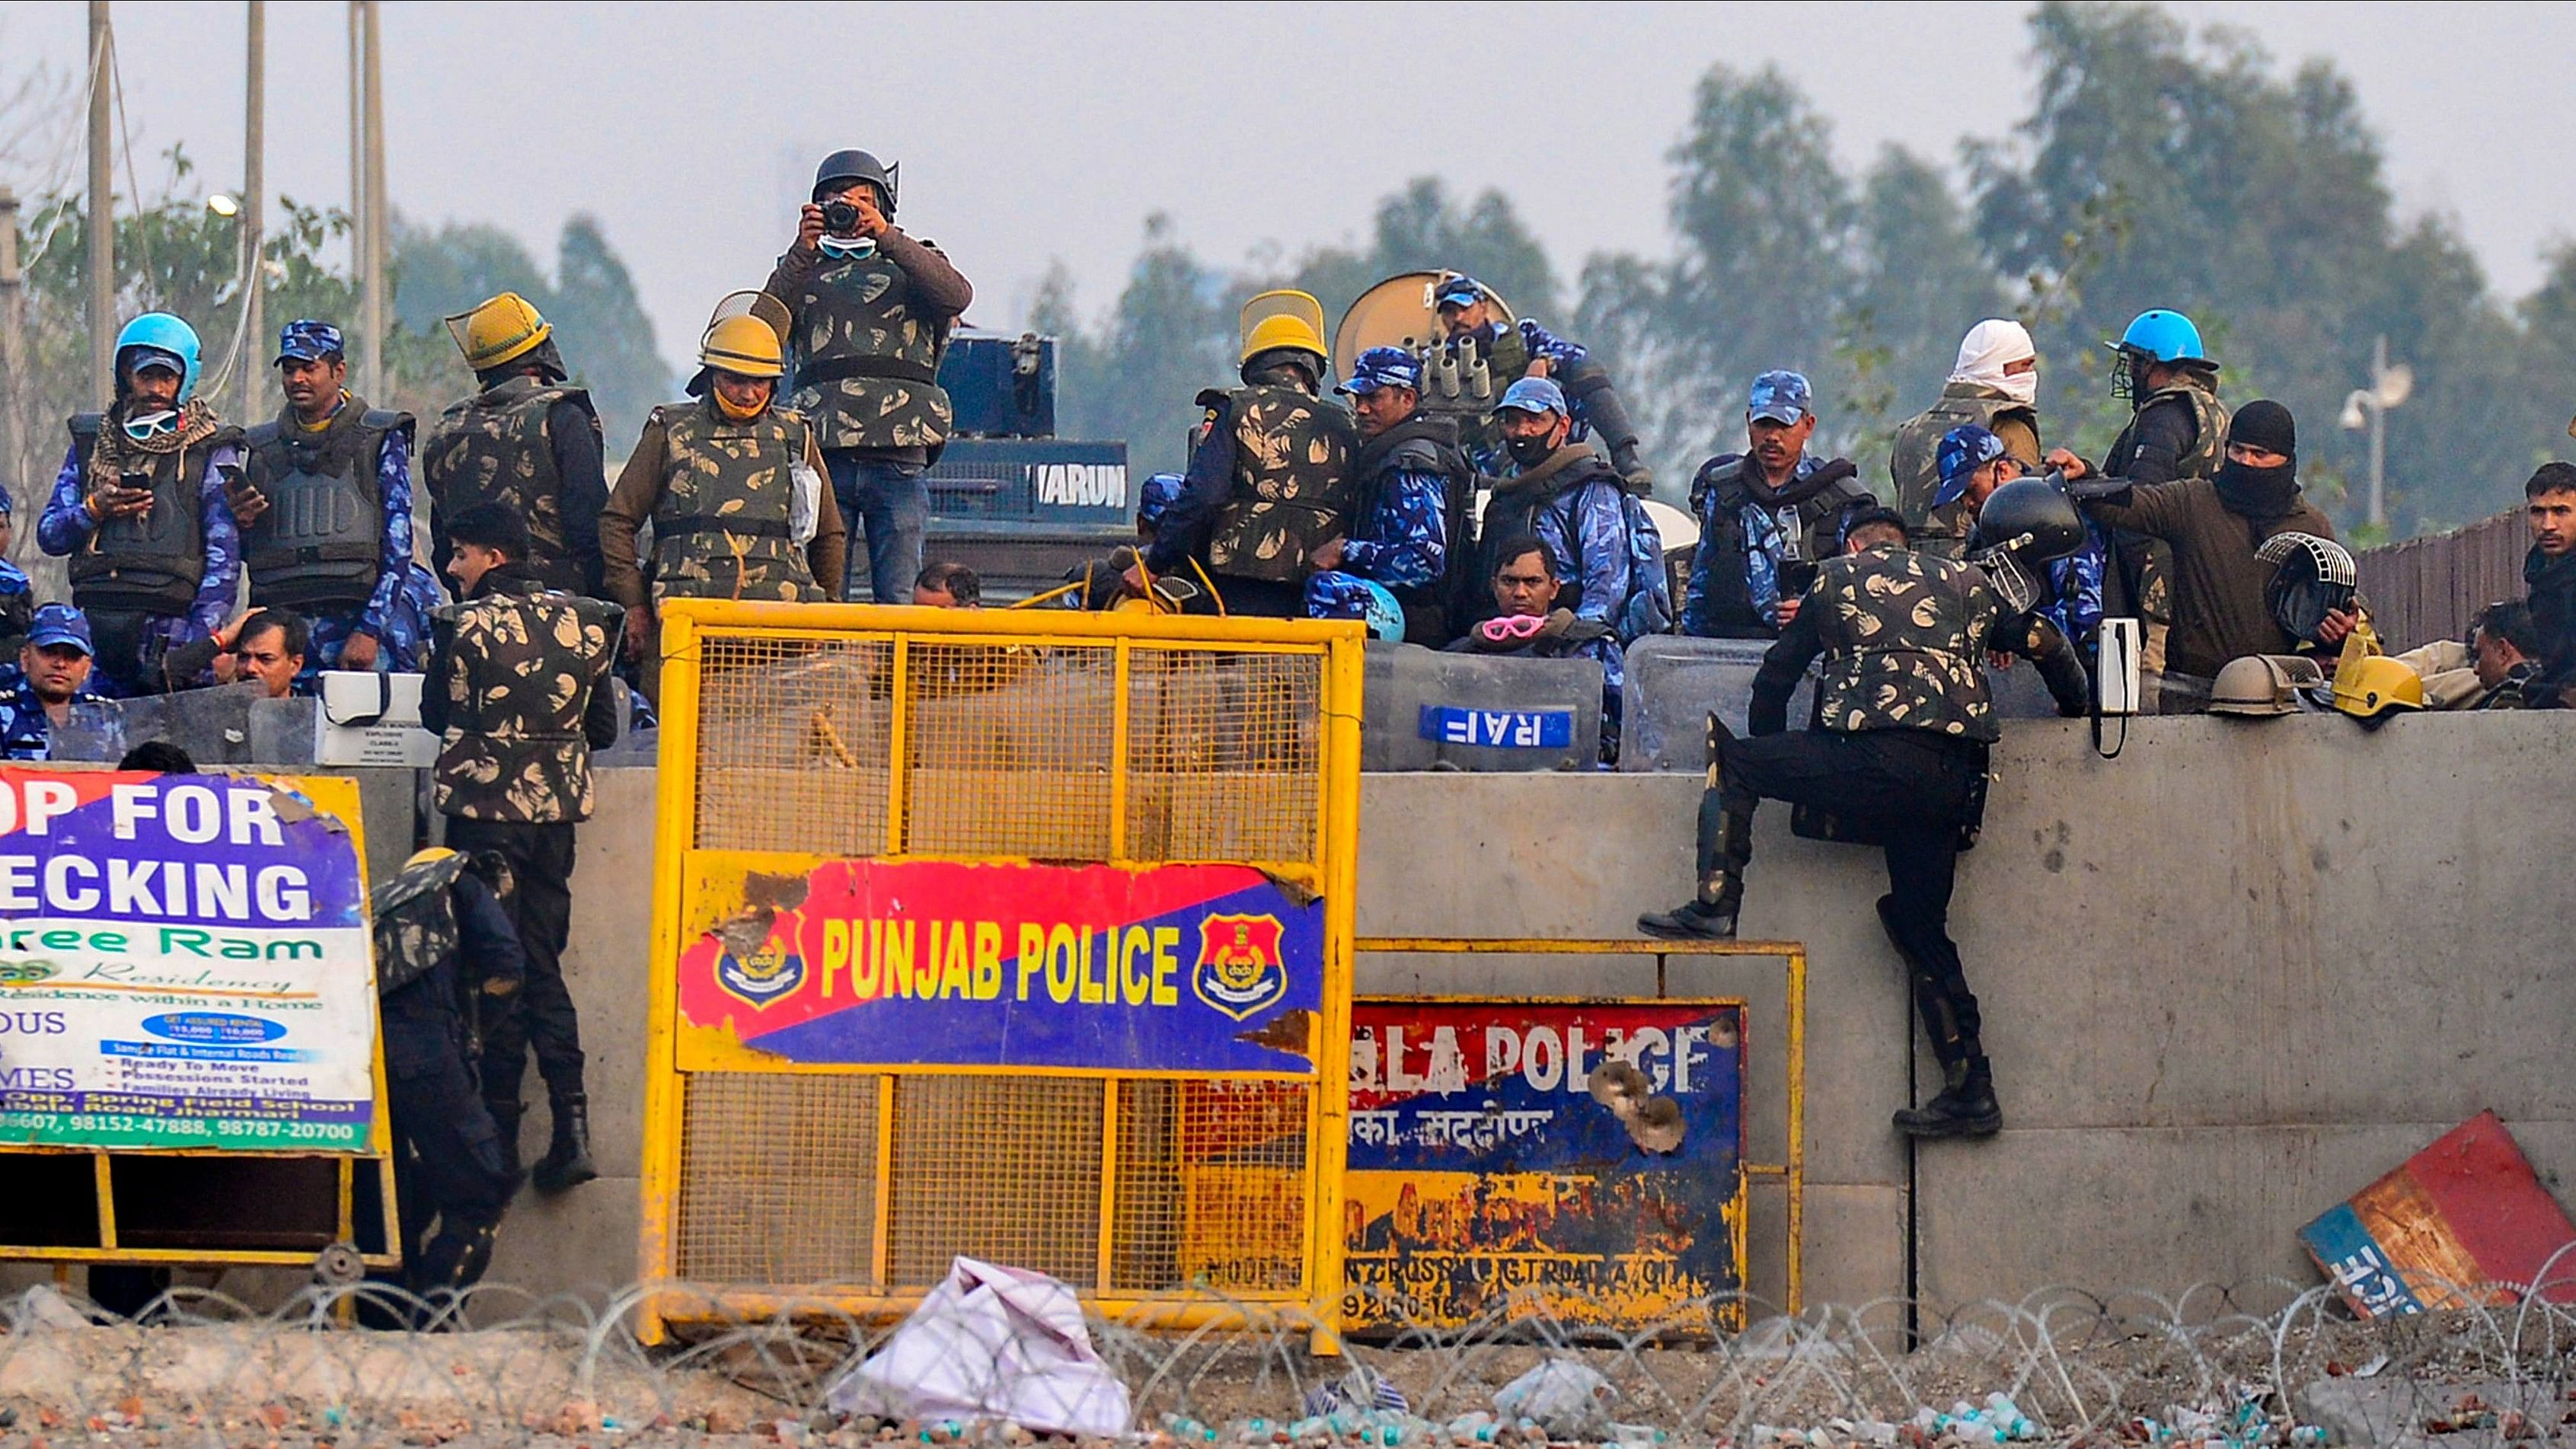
x,y
2021,387
740,415
1530,452
145,429
849,249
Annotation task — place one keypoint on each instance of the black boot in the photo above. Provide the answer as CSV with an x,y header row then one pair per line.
x,y
505,1118
1964,1107
567,1160
1725,849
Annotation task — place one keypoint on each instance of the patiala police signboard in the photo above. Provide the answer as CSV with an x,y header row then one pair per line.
x,y
1580,1160
1191,968
183,964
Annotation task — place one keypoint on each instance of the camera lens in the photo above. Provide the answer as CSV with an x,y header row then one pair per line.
x,y
840,215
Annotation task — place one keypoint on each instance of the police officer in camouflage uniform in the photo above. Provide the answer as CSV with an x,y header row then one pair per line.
x,y
1415,494
444,947
1772,506
1994,385
518,691
1270,478
1897,757
325,508
139,512
1472,317
524,441
869,313
732,485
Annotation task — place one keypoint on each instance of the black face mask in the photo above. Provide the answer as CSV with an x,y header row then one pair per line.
x,y
2258,493
1530,452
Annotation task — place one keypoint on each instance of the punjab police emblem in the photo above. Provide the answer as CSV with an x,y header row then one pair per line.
x,y
1240,970
763,976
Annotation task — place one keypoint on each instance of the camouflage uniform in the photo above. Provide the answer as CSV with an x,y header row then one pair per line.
x,y
1413,487
533,448
368,583
26,731
721,497
1912,462
1745,534
1269,480
518,690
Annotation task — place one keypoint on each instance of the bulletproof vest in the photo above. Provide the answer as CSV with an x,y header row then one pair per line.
x,y
1718,496
152,564
2208,426
1426,443
415,922
494,447
867,372
316,546
522,664
721,529
1507,356
1292,483
1904,635
1915,463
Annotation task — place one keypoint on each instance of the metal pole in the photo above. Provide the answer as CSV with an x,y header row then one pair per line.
x,y
372,296
358,183
2378,431
14,386
254,210
102,211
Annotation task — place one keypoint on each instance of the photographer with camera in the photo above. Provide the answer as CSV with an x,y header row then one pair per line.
x,y
139,510
870,310
1764,514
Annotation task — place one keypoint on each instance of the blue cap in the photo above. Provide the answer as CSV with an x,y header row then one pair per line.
x,y
1384,367
1533,395
61,624
1783,397
1156,498
1461,289
306,340
1963,451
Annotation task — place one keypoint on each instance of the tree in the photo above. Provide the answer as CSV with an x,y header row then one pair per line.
x,y
1170,336
1921,281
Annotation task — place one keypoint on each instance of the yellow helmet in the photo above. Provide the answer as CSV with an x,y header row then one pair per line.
x,y
2373,686
745,346
498,330
1284,318
424,857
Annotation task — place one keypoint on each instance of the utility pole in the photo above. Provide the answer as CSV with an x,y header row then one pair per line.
x,y
368,86
2366,408
254,209
102,210
13,351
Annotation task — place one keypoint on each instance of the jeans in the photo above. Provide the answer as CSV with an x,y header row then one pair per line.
x,y
892,504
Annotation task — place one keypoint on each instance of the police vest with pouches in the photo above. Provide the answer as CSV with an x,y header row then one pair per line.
x,y
1718,496
2208,441
317,544
152,564
1292,486
415,922
495,447
867,373
1424,443
1915,462
725,516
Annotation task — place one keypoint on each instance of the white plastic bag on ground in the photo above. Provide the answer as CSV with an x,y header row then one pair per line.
x,y
1561,1396
991,1343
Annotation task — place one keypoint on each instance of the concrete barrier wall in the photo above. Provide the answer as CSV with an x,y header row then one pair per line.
x,y
2229,979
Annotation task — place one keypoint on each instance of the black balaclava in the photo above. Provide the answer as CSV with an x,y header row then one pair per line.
x,y
2262,493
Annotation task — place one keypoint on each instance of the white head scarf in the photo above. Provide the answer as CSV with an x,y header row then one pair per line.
x,y
1988,346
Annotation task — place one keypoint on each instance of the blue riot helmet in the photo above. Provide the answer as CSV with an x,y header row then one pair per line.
x,y
174,340
1383,615
1155,499
2156,335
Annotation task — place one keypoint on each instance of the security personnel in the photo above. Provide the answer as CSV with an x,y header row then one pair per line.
x,y
1994,385
869,313
38,689
518,692
1897,756
2177,429
444,944
733,487
139,510
1472,317
1409,521
524,441
325,509
1974,464
1270,475
1762,510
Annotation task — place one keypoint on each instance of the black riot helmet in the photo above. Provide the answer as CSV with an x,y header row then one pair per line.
x,y
843,167
2028,517
2311,577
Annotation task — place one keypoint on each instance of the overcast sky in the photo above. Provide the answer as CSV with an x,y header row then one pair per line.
x,y
1033,132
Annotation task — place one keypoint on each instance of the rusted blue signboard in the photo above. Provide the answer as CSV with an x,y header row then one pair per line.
x,y
1581,1160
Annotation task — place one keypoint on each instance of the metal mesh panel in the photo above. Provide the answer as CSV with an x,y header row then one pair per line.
x,y
792,742
1010,747
778,1179
1001,1168
1211,1186
1223,755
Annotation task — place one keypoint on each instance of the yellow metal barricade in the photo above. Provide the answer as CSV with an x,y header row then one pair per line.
x,y
1022,936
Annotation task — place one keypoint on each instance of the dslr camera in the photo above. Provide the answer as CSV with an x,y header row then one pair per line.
x,y
839,217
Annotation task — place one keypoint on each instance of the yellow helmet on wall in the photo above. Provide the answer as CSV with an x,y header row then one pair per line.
x,y
745,346
497,330
2375,686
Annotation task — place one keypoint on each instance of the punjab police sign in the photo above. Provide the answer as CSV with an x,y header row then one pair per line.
x,y
1197,968
183,964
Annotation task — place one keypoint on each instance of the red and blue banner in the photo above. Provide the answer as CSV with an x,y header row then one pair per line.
x,y
1188,968
2457,1222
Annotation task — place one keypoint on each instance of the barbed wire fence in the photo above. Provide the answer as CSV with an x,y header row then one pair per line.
x,y
2270,1363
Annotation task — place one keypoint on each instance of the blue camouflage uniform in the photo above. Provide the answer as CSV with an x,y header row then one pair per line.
x,y
1561,356
66,525
2074,602
1585,528
1402,539
26,732
17,591
1755,527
